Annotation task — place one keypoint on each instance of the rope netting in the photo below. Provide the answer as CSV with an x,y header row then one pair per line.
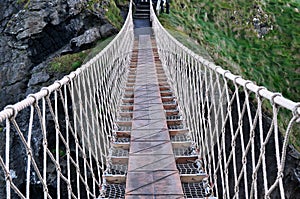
x,y
55,141
61,134
226,115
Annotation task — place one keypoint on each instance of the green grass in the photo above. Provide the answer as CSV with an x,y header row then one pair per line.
x,y
113,15
190,43
101,44
70,62
67,63
272,61
112,12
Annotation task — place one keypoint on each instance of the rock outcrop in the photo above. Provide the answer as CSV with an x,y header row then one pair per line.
x,y
32,30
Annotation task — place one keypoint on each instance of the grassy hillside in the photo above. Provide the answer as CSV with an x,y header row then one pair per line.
x,y
259,40
233,34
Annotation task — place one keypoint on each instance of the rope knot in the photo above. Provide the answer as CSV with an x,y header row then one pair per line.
x,y
262,150
245,85
29,152
279,174
235,78
226,171
59,83
224,74
258,90
34,97
69,187
58,168
296,110
47,90
244,161
217,67
236,189
46,189
13,108
273,97
233,143
229,108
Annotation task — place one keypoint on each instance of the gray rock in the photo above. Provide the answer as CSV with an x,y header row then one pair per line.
x,y
28,37
87,38
37,78
107,30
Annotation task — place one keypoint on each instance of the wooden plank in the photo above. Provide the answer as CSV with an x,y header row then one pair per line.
x,y
152,169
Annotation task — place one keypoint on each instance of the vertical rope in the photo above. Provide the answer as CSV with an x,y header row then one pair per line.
x,y
93,91
76,140
7,149
275,116
57,149
44,147
29,154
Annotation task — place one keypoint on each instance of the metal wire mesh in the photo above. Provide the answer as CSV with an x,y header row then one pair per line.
x,y
118,152
169,103
188,151
124,119
117,169
196,190
176,126
188,168
180,138
174,117
124,128
113,191
121,139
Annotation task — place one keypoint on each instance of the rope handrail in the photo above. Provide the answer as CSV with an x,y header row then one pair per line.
x,y
280,100
9,111
60,135
62,132
225,113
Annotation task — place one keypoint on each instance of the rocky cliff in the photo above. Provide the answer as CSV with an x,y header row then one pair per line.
x,y
32,30
31,33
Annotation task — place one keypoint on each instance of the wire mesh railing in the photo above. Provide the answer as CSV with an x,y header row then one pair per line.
x,y
243,146
54,142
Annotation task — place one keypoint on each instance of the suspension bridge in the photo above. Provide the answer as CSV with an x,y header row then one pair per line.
x,y
148,118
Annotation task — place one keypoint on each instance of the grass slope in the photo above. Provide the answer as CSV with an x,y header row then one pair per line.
x,y
70,62
225,29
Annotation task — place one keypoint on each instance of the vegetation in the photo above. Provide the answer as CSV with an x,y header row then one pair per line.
x,y
226,30
112,12
101,44
61,152
70,62
113,15
25,2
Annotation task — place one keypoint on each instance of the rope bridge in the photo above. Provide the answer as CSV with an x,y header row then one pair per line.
x,y
74,121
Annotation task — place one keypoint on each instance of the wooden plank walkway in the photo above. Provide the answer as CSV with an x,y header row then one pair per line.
x,y
152,171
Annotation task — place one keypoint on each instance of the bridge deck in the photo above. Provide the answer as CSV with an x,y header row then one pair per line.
x,y
151,168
